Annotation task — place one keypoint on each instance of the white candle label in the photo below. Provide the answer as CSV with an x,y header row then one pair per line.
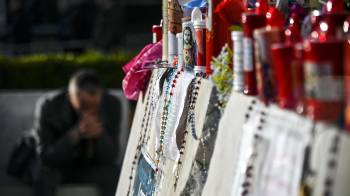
x,y
238,79
237,55
321,84
154,38
247,54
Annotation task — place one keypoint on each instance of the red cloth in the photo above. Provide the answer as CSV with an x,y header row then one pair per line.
x,y
225,13
230,11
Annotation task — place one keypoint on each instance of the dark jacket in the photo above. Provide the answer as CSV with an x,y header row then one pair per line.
x,y
55,118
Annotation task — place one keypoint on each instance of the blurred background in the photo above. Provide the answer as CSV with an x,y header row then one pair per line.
x,y
32,26
42,42
36,36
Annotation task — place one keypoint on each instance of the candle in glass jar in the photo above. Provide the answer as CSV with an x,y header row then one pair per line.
x,y
157,33
323,70
347,84
282,58
172,48
180,57
250,21
265,72
175,14
200,32
189,45
298,78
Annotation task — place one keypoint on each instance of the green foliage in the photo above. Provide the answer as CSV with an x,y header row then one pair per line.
x,y
222,75
235,28
40,71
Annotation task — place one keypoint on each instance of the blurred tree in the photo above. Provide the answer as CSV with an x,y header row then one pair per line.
x,y
19,20
45,11
110,26
77,22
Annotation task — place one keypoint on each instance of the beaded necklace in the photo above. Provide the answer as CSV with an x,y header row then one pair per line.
x,y
248,180
169,92
194,88
144,129
193,100
242,185
154,100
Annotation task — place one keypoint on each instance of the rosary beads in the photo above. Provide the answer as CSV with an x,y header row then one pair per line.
x,y
169,91
249,171
144,125
193,100
194,88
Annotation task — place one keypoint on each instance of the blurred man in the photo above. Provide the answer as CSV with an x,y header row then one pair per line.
x,y
78,129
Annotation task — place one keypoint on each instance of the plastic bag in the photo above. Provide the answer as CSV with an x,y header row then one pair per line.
x,y
135,79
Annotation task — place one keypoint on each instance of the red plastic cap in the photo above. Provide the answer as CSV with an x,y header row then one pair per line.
x,y
275,18
156,28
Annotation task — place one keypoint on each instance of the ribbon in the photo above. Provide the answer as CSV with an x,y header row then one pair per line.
x,y
196,3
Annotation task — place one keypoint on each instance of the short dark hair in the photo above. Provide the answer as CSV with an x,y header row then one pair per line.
x,y
86,80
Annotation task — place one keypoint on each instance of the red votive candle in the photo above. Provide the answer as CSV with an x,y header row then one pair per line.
x,y
250,21
282,59
157,33
347,84
265,72
323,70
298,78
200,30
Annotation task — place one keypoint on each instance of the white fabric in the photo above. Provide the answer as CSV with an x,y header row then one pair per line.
x,y
223,164
175,111
320,157
246,148
280,153
288,135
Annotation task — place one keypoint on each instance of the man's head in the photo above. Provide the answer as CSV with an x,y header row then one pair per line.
x,y
85,91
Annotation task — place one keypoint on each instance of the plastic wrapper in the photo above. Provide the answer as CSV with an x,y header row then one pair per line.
x,y
136,79
196,3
